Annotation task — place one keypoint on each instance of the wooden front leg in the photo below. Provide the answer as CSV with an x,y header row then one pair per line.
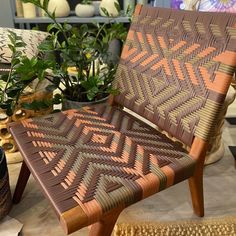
x,y
21,183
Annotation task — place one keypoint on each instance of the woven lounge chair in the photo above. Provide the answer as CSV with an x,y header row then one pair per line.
x,y
91,163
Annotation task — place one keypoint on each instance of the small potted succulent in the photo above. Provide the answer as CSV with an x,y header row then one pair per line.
x,y
81,65
85,9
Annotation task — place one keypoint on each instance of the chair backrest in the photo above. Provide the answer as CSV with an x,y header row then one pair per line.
x,y
176,67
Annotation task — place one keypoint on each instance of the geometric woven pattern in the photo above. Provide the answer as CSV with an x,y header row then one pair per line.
x,y
32,38
176,67
99,158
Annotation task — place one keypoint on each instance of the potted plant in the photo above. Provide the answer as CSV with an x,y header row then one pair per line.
x,y
84,50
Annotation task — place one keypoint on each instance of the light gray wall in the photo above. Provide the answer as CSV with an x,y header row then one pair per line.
x,y
6,14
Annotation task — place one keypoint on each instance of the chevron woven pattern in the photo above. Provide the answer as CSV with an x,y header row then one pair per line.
x,y
176,67
99,158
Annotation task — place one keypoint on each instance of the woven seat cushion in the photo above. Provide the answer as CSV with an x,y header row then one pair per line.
x,y
99,158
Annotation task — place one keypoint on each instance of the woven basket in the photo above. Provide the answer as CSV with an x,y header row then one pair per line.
x,y
5,192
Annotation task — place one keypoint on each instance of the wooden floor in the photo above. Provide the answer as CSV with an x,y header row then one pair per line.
x,y
172,204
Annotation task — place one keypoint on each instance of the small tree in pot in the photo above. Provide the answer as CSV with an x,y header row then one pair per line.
x,y
86,51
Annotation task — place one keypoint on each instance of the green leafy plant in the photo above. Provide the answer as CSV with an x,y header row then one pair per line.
x,y
23,72
86,50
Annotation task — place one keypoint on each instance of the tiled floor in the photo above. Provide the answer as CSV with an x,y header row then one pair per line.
x,y
172,204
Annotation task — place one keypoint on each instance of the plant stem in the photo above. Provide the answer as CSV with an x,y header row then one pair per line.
x,y
10,73
99,31
52,83
40,5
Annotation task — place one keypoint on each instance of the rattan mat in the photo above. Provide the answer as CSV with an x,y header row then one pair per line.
x,y
202,227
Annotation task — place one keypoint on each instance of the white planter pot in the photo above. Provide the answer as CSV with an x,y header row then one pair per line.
x,y
110,7
29,10
19,9
60,7
84,10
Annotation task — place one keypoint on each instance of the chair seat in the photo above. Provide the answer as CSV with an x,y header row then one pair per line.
x,y
99,158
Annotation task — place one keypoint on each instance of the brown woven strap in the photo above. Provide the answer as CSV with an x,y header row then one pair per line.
x,y
176,68
99,158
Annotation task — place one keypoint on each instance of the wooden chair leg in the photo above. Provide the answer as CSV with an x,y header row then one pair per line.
x,y
105,226
198,151
21,183
196,189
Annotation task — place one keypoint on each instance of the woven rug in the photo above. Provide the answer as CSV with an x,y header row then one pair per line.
x,y
203,227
